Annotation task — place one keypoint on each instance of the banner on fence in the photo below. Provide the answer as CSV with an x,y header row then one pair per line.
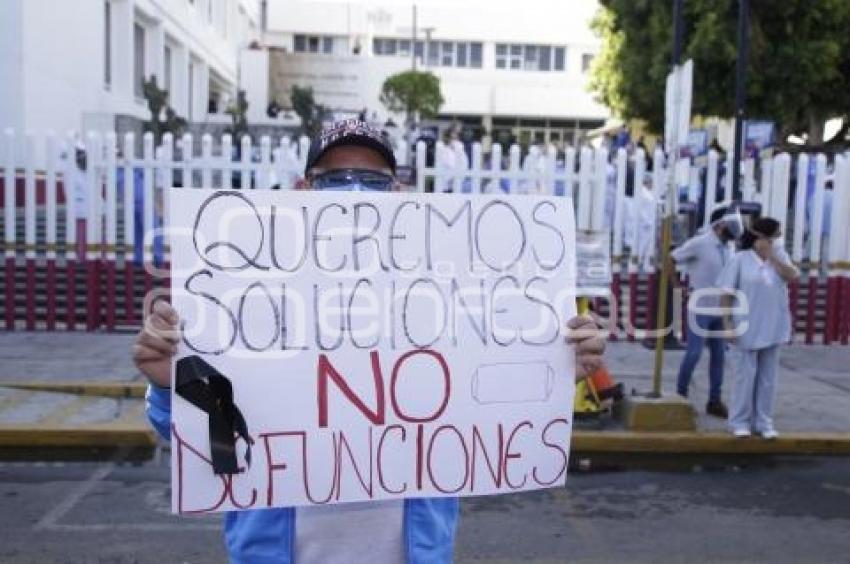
x,y
593,263
348,346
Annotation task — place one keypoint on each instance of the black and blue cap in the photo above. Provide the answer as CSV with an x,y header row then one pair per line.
x,y
349,132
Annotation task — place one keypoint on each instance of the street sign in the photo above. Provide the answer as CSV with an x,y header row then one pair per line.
x,y
593,263
759,135
697,142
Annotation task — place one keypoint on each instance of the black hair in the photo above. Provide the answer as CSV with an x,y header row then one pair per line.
x,y
717,214
766,226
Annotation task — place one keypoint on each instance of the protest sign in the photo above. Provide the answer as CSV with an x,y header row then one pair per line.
x,y
593,263
350,346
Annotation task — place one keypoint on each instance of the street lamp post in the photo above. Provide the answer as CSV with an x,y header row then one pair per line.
x,y
740,92
413,40
427,47
669,210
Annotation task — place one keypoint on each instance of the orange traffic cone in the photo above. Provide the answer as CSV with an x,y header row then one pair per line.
x,y
604,385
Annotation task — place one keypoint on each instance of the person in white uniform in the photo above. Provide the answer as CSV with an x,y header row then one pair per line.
x,y
756,280
703,256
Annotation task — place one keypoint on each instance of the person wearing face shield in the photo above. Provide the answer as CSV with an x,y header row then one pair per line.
x,y
703,257
348,156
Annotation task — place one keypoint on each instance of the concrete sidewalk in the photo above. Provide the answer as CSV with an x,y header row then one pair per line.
x,y
81,389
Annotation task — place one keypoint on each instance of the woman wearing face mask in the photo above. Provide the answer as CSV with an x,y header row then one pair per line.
x,y
757,320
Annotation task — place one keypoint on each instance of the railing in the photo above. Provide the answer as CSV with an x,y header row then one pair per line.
x,y
78,241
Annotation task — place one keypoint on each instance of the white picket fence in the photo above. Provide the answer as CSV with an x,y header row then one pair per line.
x,y
120,193
596,183
281,163
96,194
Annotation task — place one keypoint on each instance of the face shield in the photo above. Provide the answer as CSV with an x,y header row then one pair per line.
x,y
733,223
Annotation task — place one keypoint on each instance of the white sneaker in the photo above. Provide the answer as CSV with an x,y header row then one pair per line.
x,y
741,433
770,434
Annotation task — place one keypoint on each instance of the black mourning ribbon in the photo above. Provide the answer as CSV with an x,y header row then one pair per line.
x,y
210,391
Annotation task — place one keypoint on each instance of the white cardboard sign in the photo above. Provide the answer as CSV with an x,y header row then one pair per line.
x,y
378,346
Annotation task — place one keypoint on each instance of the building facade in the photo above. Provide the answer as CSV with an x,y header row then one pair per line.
x,y
76,65
509,69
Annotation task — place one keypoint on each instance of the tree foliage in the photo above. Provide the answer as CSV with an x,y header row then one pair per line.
x,y
415,92
798,68
238,116
305,107
157,100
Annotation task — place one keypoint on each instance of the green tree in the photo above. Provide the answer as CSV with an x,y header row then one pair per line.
x,y
415,92
238,111
305,107
157,100
798,68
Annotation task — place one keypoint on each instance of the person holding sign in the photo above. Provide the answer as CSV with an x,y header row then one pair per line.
x,y
349,156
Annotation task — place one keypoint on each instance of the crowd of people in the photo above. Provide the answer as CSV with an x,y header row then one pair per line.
x,y
702,257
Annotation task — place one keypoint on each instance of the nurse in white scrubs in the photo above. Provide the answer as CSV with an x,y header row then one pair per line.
x,y
758,319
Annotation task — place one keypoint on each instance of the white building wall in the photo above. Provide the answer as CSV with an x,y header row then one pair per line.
x,y
254,80
62,64
11,65
52,57
356,79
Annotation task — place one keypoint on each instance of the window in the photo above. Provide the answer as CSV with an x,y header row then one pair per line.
x,y
586,61
166,70
433,49
448,54
560,57
515,59
191,90
529,57
107,43
501,56
314,44
530,60
545,58
138,59
461,55
435,53
475,57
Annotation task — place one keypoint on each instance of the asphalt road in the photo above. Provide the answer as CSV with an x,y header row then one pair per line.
x,y
787,510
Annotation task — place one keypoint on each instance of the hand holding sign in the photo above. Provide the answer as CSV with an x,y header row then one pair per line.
x,y
454,284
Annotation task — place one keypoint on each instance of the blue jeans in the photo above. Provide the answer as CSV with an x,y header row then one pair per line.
x,y
695,344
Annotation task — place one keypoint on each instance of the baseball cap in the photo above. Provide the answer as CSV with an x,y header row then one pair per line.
x,y
349,132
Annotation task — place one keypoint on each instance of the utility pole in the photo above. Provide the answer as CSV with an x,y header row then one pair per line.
x,y
413,40
677,33
428,31
740,92
669,208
